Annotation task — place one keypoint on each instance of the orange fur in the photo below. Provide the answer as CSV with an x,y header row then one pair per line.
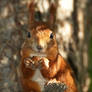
x,y
58,68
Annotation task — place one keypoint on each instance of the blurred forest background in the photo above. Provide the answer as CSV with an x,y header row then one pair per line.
x,y
73,27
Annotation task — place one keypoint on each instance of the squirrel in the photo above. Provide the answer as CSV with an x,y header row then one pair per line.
x,y
41,63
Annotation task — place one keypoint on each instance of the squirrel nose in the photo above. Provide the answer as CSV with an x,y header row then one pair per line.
x,y
39,47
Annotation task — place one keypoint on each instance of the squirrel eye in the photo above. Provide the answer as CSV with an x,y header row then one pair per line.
x,y
51,35
28,35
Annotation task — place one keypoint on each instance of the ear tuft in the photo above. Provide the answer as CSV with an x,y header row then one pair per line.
x,y
31,10
31,6
52,12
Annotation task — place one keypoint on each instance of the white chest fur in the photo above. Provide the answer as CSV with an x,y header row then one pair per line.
x,y
39,79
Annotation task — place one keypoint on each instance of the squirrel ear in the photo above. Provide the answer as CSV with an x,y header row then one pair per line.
x,y
31,11
52,13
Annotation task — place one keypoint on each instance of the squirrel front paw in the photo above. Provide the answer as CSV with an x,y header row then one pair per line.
x,y
44,63
29,63
34,64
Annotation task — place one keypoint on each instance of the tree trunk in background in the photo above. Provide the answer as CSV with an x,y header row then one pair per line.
x,y
71,32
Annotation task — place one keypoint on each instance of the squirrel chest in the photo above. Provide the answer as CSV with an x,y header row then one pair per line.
x,y
39,79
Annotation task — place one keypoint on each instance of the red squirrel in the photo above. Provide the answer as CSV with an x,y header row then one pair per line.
x,y
41,62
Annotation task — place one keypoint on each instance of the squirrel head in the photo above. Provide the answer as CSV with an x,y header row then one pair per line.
x,y
41,38
42,41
